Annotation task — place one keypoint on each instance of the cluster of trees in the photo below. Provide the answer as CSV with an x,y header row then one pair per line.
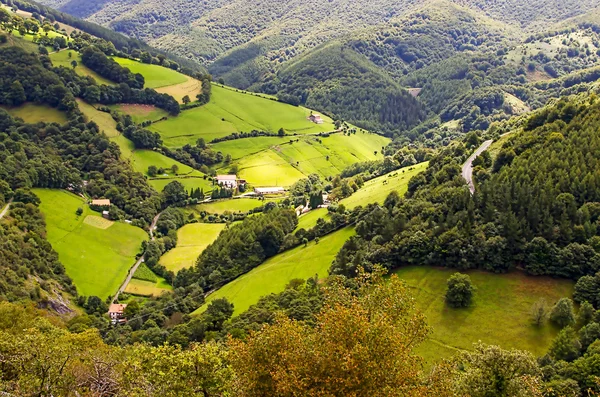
x,y
535,207
108,68
241,135
199,156
240,248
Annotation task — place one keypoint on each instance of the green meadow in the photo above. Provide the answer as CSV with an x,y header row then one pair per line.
x,y
192,239
62,58
275,273
229,111
140,113
233,205
500,314
375,191
239,148
97,255
33,113
309,220
147,288
155,76
268,169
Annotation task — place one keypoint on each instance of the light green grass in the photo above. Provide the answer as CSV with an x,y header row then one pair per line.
x,y
500,314
96,259
268,169
375,191
154,75
233,205
147,288
107,124
61,58
229,111
309,220
273,275
32,113
192,239
141,113
143,272
239,148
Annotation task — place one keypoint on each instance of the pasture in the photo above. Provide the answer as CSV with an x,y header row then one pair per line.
x,y
147,288
268,169
376,191
96,258
155,76
62,58
140,113
191,87
104,120
309,220
275,273
239,148
33,113
500,314
229,111
192,240
233,205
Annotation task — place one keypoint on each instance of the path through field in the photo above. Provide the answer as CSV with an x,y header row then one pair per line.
x,y
137,264
5,210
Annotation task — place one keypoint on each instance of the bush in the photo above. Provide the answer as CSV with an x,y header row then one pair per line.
x,y
460,290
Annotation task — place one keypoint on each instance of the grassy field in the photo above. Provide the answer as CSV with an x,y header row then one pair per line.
x,y
273,275
104,120
268,169
140,113
191,87
230,111
147,288
32,113
239,148
96,258
62,58
154,75
499,315
192,239
375,191
309,220
234,205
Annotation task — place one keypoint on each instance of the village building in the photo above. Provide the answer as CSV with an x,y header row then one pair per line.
x,y
105,214
228,181
101,203
116,312
261,191
315,118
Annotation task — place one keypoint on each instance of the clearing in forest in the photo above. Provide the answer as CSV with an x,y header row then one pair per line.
x,y
96,259
33,113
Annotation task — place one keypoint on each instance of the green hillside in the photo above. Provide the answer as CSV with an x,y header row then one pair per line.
x,y
65,57
275,273
156,76
230,111
96,253
192,239
33,113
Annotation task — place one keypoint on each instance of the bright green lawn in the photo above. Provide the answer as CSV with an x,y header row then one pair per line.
x,y
273,275
268,169
96,259
233,205
309,220
154,75
192,239
32,113
229,111
62,58
375,191
500,313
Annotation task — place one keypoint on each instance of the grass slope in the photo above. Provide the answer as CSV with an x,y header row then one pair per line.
x,y
309,220
273,275
235,205
62,58
192,239
268,169
32,113
374,191
154,75
499,315
97,259
147,288
229,111
141,113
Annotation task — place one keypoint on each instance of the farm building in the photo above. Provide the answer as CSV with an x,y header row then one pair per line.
x,y
229,181
268,190
101,202
315,118
105,215
116,312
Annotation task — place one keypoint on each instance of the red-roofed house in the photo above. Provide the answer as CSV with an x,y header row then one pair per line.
x,y
116,312
315,118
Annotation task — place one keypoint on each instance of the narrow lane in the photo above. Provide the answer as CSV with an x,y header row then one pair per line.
x,y
467,169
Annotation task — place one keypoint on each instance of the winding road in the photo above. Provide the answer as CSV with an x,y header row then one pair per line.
x,y
137,264
5,210
467,168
